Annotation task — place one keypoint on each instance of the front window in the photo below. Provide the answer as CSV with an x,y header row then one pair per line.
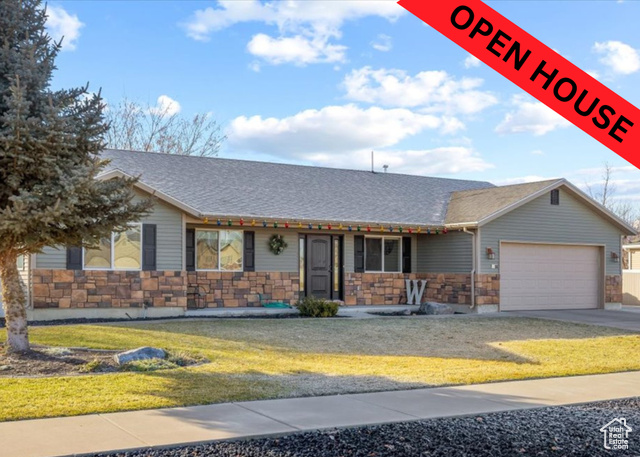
x,y
121,251
127,249
219,250
231,250
383,254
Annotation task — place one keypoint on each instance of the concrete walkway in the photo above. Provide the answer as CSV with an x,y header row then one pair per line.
x,y
626,319
165,427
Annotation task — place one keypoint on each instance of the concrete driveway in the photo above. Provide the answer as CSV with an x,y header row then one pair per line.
x,y
625,319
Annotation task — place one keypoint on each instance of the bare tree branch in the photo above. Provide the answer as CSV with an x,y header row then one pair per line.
x,y
160,129
605,194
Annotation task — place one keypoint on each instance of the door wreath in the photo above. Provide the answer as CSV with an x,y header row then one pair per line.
x,y
277,244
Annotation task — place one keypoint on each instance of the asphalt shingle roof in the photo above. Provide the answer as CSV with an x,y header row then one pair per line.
x,y
475,205
226,187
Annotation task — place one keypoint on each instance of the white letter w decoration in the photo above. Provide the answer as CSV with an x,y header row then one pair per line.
x,y
414,295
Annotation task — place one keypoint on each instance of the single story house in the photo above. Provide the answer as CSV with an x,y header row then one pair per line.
x,y
226,233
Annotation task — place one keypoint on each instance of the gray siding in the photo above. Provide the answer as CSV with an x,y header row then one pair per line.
x,y
52,259
169,236
450,253
267,261
169,250
538,221
349,254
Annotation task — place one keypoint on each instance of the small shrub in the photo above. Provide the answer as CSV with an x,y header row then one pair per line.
x,y
184,359
148,365
317,307
95,366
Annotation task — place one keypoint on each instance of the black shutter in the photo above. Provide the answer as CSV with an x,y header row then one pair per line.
x,y
74,258
191,249
149,243
406,254
358,243
249,251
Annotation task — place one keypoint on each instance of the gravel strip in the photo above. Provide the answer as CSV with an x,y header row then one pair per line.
x,y
558,431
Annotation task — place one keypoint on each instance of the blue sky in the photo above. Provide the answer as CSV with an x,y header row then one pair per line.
x,y
326,82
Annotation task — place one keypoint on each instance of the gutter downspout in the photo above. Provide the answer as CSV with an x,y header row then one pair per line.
x,y
473,264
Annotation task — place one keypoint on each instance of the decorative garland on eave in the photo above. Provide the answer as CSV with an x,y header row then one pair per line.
x,y
341,227
277,244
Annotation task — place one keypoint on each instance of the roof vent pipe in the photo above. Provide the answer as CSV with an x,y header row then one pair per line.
x,y
386,167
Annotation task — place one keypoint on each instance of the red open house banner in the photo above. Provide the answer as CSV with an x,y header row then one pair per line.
x,y
537,69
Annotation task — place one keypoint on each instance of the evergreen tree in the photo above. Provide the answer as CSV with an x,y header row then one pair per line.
x,y
49,159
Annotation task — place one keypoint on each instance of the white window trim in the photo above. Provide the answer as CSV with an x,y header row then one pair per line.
x,y
219,256
113,257
383,238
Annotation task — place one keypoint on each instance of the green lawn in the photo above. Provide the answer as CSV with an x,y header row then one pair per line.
x,y
258,359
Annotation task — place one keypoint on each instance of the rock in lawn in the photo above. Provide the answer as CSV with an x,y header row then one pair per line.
x,y
144,353
436,308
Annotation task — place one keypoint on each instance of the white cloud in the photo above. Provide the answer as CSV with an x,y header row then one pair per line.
x,y
291,15
255,66
471,61
537,152
61,24
166,106
382,43
333,130
531,117
593,73
306,26
298,50
619,57
433,91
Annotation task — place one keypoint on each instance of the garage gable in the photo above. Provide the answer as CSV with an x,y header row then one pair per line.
x,y
572,221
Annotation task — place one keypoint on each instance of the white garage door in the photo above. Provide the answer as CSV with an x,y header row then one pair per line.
x,y
541,276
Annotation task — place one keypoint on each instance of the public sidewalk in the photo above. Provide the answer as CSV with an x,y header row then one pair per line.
x,y
161,428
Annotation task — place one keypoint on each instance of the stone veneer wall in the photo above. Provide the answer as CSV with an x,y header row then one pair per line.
x,y
390,289
133,289
229,290
108,289
487,289
613,289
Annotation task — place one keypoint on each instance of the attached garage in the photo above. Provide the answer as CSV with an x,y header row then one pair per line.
x,y
550,276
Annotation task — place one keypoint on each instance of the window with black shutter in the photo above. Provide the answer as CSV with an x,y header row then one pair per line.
x,y
359,253
249,251
406,254
190,249
149,247
74,258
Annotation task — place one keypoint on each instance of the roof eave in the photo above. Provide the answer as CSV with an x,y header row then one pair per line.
x,y
462,225
117,173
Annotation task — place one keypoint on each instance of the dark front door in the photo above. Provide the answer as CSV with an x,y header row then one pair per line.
x,y
319,266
